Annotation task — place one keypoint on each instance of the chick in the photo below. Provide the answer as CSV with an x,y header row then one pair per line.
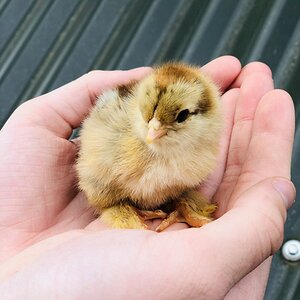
x,y
146,146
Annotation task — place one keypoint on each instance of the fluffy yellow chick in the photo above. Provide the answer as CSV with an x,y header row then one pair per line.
x,y
146,146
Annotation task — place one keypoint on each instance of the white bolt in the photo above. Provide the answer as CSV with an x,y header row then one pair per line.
x,y
291,250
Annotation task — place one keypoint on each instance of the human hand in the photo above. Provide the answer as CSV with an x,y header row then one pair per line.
x,y
75,258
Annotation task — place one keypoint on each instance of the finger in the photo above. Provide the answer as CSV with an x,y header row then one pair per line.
x,y
251,92
223,70
238,242
69,104
209,186
274,125
254,87
253,67
270,149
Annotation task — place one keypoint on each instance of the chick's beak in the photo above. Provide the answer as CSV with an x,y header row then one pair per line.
x,y
155,130
154,134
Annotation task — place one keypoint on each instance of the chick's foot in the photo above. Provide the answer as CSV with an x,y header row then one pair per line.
x,y
123,216
194,213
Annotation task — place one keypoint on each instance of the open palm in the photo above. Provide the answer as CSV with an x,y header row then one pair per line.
x,y
47,227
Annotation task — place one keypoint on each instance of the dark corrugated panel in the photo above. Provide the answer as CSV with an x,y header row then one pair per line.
x,y
46,43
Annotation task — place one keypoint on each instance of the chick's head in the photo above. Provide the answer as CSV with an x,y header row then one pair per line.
x,y
178,105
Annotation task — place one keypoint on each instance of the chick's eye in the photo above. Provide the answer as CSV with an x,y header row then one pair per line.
x,y
182,116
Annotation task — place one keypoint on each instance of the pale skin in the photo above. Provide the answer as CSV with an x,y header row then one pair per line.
x,y
52,247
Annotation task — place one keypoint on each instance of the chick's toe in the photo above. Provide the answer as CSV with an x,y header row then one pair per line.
x,y
152,214
190,213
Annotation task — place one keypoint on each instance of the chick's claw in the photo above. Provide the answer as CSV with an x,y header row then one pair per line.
x,y
150,215
186,213
172,218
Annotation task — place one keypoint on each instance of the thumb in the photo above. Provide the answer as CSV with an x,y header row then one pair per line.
x,y
240,240
253,229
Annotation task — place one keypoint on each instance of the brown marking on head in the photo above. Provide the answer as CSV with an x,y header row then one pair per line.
x,y
172,72
165,77
166,112
148,109
161,90
175,87
206,103
126,90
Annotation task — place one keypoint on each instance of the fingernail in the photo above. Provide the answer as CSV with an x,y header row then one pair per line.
x,y
286,189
